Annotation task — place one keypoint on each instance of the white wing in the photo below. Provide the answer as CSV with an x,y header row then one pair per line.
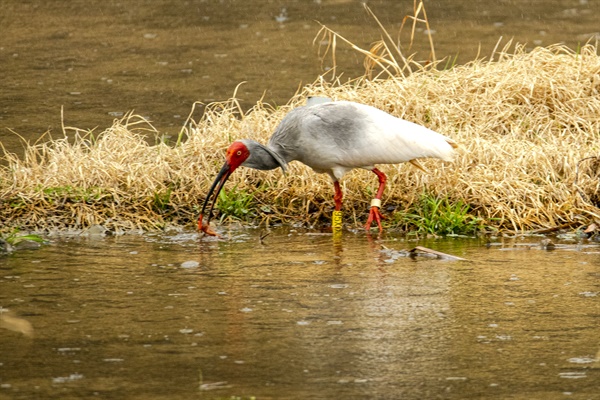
x,y
390,140
335,137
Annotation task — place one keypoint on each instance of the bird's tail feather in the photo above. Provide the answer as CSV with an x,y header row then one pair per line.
x,y
452,143
418,165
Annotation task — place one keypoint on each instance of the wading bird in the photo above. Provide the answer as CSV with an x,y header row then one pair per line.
x,y
334,137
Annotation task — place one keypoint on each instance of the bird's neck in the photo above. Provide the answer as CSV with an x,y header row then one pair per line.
x,y
261,157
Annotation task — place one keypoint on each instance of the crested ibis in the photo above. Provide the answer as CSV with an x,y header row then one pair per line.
x,y
334,137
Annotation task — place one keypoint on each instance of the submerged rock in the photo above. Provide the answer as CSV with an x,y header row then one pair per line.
x,y
27,244
5,247
547,244
95,230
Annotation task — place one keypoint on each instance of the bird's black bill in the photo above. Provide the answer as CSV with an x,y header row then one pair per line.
x,y
220,180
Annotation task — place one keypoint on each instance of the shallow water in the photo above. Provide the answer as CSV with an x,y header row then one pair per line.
x,y
101,60
303,315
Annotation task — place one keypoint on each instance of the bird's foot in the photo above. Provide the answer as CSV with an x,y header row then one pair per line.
x,y
374,215
206,228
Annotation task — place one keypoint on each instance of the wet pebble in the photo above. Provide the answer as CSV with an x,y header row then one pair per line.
x,y
339,286
190,264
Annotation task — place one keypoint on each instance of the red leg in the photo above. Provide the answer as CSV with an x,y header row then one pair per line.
x,y
374,213
337,197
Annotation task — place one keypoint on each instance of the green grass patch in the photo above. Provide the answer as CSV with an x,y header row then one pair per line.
x,y
236,204
440,216
14,238
162,200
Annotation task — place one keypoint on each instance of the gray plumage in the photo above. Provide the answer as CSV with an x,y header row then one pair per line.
x,y
335,137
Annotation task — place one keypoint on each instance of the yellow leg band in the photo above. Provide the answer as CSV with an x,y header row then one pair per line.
x,y
336,221
376,203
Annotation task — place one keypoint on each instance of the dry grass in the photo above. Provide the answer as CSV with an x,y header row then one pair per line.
x,y
529,128
528,124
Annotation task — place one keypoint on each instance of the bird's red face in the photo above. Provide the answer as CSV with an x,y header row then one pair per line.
x,y
236,154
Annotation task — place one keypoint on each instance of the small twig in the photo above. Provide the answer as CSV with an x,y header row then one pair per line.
x,y
386,34
262,237
543,231
436,253
576,182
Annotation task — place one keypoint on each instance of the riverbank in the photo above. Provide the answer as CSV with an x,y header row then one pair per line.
x,y
527,123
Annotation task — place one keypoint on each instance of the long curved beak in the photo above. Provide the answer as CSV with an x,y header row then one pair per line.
x,y
220,180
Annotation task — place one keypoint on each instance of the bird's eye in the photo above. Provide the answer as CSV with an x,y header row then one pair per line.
x,y
239,153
